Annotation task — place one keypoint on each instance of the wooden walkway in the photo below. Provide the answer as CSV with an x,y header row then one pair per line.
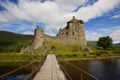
x,y
50,70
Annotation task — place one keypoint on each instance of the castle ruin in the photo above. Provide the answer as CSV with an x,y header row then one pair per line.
x,y
72,34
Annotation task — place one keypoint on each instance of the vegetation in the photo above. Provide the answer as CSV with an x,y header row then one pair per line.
x,y
11,42
95,54
73,51
16,56
105,42
62,47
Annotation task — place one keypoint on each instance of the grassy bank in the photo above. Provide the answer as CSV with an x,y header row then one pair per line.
x,y
16,56
87,55
73,51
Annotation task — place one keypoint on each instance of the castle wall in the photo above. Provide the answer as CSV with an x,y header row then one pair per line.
x,y
72,34
49,38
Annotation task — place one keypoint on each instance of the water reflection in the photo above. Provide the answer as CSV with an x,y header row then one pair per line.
x,y
20,74
105,69
97,69
18,77
118,67
9,66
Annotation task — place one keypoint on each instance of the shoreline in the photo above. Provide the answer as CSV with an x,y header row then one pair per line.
x,y
19,60
97,58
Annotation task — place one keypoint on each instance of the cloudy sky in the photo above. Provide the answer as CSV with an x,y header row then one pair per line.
x,y
101,17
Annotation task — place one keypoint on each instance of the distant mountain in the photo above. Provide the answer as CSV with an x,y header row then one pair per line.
x,y
117,45
12,42
91,43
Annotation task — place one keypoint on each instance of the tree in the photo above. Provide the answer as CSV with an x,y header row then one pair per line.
x,y
105,42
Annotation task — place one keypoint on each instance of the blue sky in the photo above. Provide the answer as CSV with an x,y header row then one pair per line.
x,y
101,17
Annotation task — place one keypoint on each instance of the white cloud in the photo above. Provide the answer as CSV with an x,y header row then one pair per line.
x,y
97,9
116,35
116,16
69,5
28,33
54,14
108,31
92,36
113,32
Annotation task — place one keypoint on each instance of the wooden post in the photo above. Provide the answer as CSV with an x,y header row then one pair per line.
x,y
81,76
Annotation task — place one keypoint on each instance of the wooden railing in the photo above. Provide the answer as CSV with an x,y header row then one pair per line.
x,y
32,74
2,77
83,75
36,70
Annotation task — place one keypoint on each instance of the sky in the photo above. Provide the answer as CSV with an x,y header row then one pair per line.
x,y
101,17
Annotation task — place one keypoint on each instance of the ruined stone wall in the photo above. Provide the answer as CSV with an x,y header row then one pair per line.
x,y
49,38
38,39
72,34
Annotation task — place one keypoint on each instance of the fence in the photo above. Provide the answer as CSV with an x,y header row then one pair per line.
x,y
80,74
32,74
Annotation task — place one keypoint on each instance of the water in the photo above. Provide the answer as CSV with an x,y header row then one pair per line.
x,y
9,66
105,69
19,75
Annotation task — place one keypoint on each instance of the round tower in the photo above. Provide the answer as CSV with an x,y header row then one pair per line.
x,y
38,38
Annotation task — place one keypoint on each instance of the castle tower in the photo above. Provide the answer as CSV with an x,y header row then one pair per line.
x,y
38,38
73,33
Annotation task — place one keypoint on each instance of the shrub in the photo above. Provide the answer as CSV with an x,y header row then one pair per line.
x,y
116,50
84,55
53,47
98,54
75,55
102,52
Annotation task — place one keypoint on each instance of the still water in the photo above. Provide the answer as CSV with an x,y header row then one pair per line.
x,y
19,75
104,69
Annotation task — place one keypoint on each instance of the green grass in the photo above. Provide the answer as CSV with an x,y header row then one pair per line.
x,y
62,47
73,51
17,56
87,55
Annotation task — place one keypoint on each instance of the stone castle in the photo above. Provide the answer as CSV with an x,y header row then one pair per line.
x,y
72,34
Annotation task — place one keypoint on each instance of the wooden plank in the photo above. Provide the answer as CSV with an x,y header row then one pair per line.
x,y
50,70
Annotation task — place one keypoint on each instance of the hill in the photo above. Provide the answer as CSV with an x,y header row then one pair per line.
x,y
12,42
91,43
117,45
